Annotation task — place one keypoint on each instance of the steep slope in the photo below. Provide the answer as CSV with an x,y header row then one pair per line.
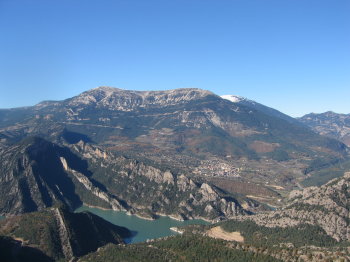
x,y
329,124
60,233
36,174
32,177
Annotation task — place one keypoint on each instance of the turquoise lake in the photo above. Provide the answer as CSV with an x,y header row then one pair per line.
x,y
143,229
1,217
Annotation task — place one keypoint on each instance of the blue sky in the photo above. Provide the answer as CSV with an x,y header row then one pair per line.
x,y
293,55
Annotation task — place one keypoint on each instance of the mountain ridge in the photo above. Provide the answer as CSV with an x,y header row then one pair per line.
x,y
315,206
330,124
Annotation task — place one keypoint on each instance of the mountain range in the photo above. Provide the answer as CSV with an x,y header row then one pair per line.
x,y
170,138
184,153
184,120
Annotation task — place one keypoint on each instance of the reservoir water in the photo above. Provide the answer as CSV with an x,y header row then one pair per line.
x,y
1,217
144,229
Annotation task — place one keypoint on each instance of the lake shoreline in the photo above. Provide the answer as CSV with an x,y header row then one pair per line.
x,y
144,228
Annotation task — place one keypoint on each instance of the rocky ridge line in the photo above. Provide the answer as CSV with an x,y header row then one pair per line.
x,y
326,206
64,235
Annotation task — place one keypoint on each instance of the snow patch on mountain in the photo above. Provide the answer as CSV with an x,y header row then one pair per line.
x,y
233,98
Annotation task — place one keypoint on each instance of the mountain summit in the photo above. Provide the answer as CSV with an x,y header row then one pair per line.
x,y
126,100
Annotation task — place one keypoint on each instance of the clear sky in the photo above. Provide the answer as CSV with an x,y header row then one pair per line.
x,y
293,55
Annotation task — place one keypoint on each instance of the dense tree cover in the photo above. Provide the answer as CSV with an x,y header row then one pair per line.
x,y
186,247
132,253
301,235
201,248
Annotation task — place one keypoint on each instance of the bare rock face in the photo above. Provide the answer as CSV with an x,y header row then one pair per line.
x,y
208,193
115,204
184,183
327,206
168,177
127,100
232,209
151,173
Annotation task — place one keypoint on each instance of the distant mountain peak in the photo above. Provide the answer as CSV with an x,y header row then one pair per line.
x,y
105,88
126,100
330,124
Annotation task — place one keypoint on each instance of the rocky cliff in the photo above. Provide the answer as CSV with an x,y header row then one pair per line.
x,y
149,190
36,174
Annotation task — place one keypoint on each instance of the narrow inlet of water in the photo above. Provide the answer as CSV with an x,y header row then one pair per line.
x,y
144,229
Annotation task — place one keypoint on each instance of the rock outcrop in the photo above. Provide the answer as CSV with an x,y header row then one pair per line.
x,y
36,174
147,189
327,206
